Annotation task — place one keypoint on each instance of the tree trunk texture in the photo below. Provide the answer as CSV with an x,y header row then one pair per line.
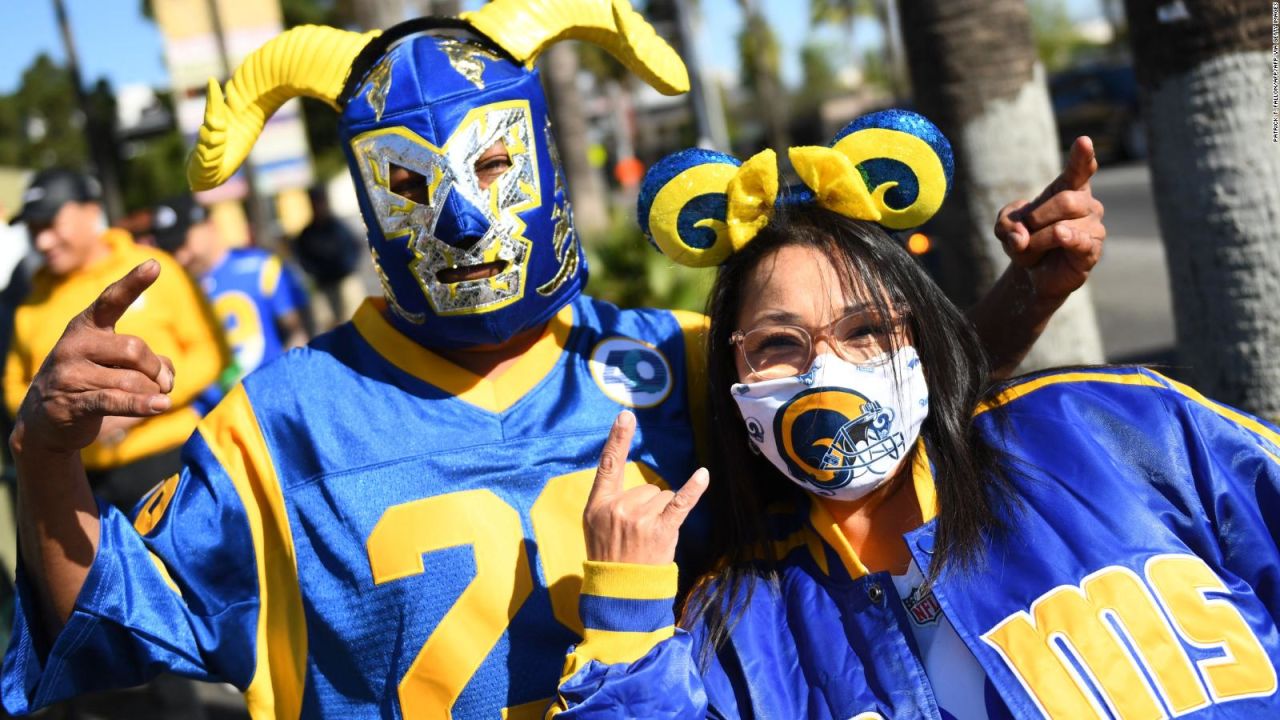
x,y
382,14
441,8
1204,68
771,99
587,190
974,72
378,14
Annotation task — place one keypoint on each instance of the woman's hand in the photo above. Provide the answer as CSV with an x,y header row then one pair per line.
x,y
640,525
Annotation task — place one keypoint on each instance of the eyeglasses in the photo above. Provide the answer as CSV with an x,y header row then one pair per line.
x,y
779,351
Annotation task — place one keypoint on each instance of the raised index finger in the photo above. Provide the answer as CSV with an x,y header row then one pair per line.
x,y
613,458
1082,163
119,295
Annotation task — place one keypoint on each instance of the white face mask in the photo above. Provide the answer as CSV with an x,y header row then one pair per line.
x,y
840,429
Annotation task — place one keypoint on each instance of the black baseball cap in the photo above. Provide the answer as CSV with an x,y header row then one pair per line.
x,y
171,219
51,189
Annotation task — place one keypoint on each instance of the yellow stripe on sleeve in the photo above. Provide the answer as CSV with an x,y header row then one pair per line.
x,y
695,327
232,433
1141,377
270,277
1026,388
1235,416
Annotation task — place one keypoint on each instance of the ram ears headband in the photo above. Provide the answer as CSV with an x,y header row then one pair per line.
x,y
315,62
892,167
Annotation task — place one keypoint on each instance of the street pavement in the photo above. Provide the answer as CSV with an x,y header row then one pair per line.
x,y
1130,285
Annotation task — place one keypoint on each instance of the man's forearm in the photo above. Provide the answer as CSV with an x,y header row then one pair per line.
x,y
1010,318
57,529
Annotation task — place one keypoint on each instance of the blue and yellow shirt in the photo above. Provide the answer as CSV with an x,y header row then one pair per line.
x,y
1139,578
251,290
363,529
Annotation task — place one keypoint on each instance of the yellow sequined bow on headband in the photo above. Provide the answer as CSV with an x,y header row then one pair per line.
x,y
893,167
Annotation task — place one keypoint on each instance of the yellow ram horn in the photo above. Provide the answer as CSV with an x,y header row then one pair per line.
x,y
526,28
309,60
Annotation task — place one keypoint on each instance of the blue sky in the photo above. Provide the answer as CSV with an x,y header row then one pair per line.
x,y
115,41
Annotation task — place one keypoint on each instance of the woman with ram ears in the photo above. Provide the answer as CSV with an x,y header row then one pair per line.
x,y
386,522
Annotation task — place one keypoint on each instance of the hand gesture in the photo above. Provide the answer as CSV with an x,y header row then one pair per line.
x,y
640,525
92,373
1058,236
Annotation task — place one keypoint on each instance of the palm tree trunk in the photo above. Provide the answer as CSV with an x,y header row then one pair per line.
x,y
586,187
891,29
974,71
770,97
1204,67
378,14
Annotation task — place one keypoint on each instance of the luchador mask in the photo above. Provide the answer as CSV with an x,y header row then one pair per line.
x,y
512,233
446,131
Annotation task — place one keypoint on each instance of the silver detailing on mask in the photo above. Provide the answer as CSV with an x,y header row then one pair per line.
x,y
467,59
448,170
566,248
378,83
392,302
565,238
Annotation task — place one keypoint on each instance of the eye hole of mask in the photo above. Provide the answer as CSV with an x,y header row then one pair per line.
x,y
408,184
492,164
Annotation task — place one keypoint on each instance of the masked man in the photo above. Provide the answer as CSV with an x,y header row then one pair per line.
x,y
386,523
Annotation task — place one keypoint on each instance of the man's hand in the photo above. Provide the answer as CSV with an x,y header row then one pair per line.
x,y
115,429
640,525
93,373
1058,236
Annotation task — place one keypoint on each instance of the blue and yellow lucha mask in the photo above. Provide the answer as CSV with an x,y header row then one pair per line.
x,y
467,255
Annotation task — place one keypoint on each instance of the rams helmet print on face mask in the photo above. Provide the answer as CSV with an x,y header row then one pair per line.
x,y
464,260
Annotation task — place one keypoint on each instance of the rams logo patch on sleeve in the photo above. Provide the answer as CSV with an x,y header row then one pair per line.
x,y
631,373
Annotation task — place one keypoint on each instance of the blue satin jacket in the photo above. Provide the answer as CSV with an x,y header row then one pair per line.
x,y
364,530
1140,579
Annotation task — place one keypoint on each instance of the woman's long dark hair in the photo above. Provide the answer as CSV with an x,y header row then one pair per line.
x,y
744,485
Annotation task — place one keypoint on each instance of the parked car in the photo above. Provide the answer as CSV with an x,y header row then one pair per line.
x,y
1100,101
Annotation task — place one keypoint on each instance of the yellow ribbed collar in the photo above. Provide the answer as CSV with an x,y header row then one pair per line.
x,y
829,529
495,394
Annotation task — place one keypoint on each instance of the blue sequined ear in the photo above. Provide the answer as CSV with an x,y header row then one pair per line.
x,y
683,204
905,160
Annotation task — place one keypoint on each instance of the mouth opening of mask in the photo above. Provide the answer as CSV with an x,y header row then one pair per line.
x,y
467,273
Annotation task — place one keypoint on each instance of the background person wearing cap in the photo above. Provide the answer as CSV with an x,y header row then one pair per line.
x,y
254,294
82,257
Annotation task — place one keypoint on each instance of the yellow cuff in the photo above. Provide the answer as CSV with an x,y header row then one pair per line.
x,y
629,580
626,610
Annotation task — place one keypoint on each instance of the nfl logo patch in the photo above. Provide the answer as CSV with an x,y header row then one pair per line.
x,y
922,607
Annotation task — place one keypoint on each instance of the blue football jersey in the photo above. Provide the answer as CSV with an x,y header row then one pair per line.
x,y
363,529
1139,578
250,290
